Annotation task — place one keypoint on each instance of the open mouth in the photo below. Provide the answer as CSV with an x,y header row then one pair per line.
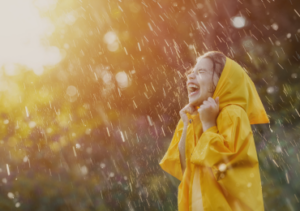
x,y
193,89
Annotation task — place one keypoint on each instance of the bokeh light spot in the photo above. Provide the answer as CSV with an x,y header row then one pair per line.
x,y
238,22
122,79
71,91
110,37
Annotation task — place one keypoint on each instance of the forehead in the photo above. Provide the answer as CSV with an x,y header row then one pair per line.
x,y
203,63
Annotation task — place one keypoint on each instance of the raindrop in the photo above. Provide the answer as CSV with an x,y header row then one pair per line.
x,y
71,91
238,22
10,195
122,136
32,124
84,170
122,79
106,77
149,120
278,149
270,90
74,151
222,167
113,46
27,113
7,168
275,26
110,37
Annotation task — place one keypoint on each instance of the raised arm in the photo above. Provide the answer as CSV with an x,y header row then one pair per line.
x,y
228,151
228,144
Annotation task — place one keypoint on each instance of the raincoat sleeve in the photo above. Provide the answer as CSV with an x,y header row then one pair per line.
x,y
228,144
171,160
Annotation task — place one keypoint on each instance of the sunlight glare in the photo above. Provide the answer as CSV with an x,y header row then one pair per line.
x,y
45,5
22,31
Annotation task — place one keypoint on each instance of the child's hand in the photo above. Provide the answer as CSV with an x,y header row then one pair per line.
x,y
187,109
209,112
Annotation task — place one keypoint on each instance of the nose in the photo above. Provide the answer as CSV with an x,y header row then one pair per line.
x,y
191,75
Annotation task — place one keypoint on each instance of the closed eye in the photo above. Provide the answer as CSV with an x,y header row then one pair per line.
x,y
197,72
200,71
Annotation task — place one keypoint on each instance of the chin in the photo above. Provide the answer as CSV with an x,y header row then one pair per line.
x,y
194,102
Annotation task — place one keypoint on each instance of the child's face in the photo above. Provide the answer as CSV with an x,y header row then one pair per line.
x,y
200,82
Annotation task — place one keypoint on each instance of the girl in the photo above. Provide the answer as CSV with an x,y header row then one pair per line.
x,y
213,152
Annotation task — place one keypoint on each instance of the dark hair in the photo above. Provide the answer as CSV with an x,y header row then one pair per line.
x,y
218,59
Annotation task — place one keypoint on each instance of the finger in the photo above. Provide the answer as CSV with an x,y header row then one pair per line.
x,y
205,102
211,100
204,106
201,107
217,101
190,109
185,109
193,108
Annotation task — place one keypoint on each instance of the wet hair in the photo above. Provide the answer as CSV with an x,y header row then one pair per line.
x,y
218,59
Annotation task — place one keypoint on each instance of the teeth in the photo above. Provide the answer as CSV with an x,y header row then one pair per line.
x,y
193,86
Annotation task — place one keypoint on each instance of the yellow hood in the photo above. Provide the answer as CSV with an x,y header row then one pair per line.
x,y
236,87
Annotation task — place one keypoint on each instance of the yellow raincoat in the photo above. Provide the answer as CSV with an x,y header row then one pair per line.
x,y
222,170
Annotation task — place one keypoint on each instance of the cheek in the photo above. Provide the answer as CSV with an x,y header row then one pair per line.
x,y
205,84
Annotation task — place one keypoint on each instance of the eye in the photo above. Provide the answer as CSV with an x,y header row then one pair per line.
x,y
200,71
